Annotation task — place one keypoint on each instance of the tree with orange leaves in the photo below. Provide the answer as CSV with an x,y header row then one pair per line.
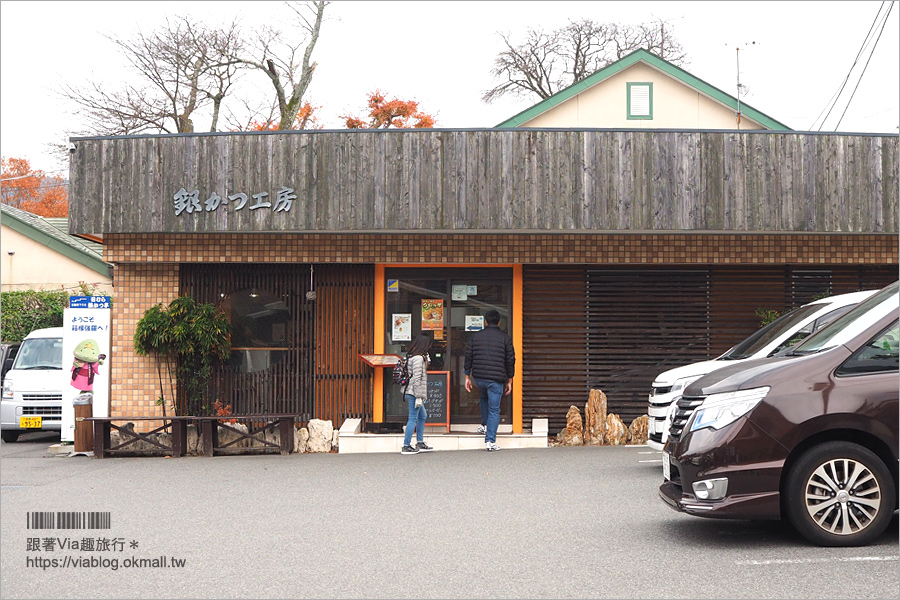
x,y
32,191
385,113
306,119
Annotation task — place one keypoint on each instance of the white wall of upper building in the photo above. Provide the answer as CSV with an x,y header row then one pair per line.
x,y
674,106
28,265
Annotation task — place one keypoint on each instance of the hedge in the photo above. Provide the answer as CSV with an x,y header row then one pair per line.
x,y
21,312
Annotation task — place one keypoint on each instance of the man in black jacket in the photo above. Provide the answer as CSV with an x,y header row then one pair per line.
x,y
491,364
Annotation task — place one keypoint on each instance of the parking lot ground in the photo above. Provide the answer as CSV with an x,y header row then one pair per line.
x,y
582,522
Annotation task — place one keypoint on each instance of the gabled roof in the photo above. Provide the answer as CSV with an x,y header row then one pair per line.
x,y
657,63
54,234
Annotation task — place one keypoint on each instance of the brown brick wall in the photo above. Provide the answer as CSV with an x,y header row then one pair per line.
x,y
147,267
134,379
615,248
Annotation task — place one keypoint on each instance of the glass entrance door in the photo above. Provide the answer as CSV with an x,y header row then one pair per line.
x,y
451,303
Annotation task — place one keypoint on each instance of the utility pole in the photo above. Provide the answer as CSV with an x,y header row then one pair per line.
x,y
738,56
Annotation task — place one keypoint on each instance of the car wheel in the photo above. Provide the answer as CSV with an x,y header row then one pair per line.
x,y
9,436
839,494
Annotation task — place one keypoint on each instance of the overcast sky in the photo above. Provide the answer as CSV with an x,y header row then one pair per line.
x,y
794,57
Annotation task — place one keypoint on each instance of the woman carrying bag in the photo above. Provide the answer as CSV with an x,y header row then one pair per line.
x,y
415,393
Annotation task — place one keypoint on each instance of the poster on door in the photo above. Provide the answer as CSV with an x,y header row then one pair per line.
x,y
433,317
86,349
402,328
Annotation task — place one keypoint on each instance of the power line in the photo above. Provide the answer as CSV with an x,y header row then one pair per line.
x,y
855,60
883,25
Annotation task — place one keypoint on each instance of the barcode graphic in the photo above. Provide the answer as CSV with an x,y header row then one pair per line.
x,y
68,520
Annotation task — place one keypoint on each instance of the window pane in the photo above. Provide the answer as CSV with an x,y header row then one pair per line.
x,y
640,100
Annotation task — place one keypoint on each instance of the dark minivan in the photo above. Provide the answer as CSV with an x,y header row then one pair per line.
x,y
810,435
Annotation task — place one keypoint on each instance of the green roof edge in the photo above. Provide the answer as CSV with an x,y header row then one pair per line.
x,y
19,225
654,61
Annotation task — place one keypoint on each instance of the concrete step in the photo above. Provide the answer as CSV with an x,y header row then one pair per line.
x,y
352,440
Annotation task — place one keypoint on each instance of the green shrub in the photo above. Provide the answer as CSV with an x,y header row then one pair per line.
x,y
26,310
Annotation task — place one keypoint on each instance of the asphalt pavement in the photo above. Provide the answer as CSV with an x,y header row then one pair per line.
x,y
536,523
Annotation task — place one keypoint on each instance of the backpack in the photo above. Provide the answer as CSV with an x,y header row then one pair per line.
x,y
401,371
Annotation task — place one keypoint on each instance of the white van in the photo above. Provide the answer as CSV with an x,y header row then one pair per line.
x,y
32,388
783,332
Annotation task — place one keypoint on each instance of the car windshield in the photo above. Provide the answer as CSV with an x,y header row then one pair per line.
x,y
39,353
763,337
852,323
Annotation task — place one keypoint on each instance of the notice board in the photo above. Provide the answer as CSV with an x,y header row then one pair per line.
x,y
437,403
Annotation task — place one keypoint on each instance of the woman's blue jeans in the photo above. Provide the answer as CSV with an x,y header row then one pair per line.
x,y
416,421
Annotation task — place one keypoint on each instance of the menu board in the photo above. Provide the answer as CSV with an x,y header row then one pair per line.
x,y
437,403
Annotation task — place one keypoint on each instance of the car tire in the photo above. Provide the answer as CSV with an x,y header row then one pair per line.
x,y
9,436
839,494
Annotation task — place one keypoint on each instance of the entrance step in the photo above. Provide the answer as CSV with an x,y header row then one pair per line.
x,y
351,439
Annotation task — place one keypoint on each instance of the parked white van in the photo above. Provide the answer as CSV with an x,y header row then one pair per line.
x,y
783,332
32,388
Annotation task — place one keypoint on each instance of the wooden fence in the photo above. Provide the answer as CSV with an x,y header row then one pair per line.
x,y
485,180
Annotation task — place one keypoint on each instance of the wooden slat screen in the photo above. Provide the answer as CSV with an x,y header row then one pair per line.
x,y
638,321
554,362
616,329
345,306
288,385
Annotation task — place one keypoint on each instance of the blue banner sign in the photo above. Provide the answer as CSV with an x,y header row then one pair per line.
x,y
89,301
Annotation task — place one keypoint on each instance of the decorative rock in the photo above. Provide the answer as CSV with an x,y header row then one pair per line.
x,y
226,436
334,440
273,436
637,431
595,418
320,435
573,434
194,447
616,433
302,441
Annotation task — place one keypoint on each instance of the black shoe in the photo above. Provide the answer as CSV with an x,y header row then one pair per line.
x,y
409,450
423,447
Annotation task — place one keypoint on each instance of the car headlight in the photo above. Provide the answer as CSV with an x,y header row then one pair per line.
x,y
683,383
7,388
720,410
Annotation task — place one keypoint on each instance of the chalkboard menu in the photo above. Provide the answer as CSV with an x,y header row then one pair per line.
x,y
437,404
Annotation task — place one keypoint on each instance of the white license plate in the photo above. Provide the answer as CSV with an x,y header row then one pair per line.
x,y
667,470
30,422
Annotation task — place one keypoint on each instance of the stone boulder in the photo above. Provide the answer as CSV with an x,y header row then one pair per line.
x,y
321,434
616,432
573,434
226,436
302,439
637,431
595,418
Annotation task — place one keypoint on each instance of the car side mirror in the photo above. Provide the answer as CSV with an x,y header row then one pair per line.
x,y
7,365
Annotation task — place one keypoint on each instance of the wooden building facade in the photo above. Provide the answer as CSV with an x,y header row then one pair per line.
x,y
613,255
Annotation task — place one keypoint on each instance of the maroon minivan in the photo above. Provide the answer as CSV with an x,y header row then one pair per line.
x,y
810,435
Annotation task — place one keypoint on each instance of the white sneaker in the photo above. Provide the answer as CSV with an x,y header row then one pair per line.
x,y
481,429
491,446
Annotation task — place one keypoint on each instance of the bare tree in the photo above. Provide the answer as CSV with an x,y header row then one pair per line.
x,y
279,58
547,62
180,68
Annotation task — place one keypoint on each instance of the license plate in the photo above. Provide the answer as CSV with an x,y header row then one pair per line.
x,y
667,471
30,422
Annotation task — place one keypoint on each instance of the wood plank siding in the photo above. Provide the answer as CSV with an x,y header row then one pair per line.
x,y
315,372
488,180
616,327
